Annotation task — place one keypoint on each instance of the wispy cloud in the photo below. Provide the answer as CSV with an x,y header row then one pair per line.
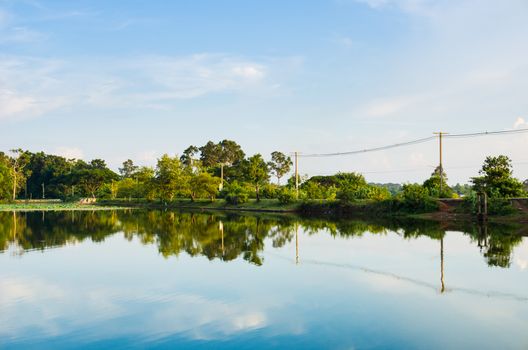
x,y
30,87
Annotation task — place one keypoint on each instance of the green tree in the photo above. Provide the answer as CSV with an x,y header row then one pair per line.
x,y
171,178
19,174
217,156
92,177
188,156
257,173
204,185
497,178
5,178
279,165
432,184
128,169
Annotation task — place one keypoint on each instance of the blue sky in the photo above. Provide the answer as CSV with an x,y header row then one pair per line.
x,y
136,79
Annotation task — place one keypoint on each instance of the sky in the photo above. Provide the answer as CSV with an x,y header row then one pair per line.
x,y
137,79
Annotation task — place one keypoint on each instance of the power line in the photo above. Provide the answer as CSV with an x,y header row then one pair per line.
x,y
408,143
413,142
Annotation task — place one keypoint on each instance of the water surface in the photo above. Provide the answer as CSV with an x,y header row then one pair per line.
x,y
136,279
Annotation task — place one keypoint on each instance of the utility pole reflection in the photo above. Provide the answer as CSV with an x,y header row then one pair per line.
x,y
296,243
442,289
221,229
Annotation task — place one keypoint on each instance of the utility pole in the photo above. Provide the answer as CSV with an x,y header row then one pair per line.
x,y
296,175
43,191
221,177
440,134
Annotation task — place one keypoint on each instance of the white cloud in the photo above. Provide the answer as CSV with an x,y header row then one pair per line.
x,y
251,72
520,123
389,106
31,87
69,152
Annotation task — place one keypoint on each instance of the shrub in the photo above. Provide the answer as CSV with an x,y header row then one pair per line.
x,y
286,195
236,194
269,191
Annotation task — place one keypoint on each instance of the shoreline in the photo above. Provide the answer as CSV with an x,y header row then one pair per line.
x,y
324,210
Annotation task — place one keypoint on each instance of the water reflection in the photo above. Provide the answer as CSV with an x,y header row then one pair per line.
x,y
257,281
229,236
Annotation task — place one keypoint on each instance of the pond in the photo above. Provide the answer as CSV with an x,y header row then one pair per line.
x,y
162,279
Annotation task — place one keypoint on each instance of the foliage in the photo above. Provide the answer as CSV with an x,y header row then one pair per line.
x,y
314,190
414,198
257,173
270,191
432,184
462,190
5,180
234,193
496,179
204,185
286,195
280,165
171,180
128,169
393,188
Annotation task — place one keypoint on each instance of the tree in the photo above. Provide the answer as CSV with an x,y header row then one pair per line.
x,y
170,177
5,178
496,178
210,154
257,173
128,169
432,184
188,155
224,153
91,177
280,165
203,185
19,162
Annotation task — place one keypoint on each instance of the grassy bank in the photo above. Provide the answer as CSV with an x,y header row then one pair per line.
x,y
51,206
264,205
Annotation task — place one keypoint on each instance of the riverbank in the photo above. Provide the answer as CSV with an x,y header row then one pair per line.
x,y
264,205
444,210
52,206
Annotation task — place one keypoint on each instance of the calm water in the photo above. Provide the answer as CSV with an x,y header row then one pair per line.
x,y
180,280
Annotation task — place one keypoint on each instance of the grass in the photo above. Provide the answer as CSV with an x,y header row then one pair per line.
x,y
219,204
51,206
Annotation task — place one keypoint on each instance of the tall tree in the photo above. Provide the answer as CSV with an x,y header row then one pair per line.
x,y
203,185
170,177
224,153
5,178
433,184
497,178
19,162
188,156
257,173
280,165
128,169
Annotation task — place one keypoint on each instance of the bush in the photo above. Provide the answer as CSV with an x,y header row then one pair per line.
x,y
314,190
286,195
352,193
235,194
269,191
415,198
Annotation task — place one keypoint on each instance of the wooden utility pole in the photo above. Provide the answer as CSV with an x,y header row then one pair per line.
x,y
221,177
296,175
440,134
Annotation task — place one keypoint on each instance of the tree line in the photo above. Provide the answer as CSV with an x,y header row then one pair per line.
x,y
225,236
200,172
222,169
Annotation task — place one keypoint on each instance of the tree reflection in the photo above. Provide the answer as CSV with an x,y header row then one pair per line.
x,y
228,236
